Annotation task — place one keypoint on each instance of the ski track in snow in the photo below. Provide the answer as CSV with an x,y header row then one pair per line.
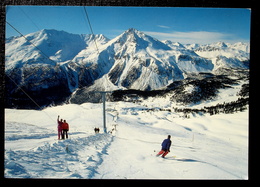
x,y
206,147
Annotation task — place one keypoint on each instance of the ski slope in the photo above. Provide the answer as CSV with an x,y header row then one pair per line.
x,y
206,147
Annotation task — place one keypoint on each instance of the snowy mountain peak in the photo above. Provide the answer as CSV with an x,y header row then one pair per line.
x,y
102,37
132,60
220,44
133,30
50,31
173,44
97,37
133,37
130,35
50,34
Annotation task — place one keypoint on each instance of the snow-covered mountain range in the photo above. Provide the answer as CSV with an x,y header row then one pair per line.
x,y
198,94
51,65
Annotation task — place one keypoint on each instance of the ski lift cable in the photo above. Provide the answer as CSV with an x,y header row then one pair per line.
x,y
91,29
56,64
30,97
33,46
86,13
19,87
31,42
40,49
29,18
97,46
48,69
80,65
24,91
45,67
103,93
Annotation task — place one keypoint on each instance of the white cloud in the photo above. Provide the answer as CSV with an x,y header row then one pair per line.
x,y
163,26
200,37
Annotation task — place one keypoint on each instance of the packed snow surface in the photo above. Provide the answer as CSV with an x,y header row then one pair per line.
x,y
203,146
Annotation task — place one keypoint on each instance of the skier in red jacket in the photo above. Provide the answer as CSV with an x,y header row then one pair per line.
x,y
65,129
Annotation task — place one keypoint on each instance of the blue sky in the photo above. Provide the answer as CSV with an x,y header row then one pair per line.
x,y
184,25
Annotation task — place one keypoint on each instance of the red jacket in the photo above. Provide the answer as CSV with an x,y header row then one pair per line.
x,y
65,126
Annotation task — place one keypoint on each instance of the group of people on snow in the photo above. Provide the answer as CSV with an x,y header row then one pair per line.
x,y
63,128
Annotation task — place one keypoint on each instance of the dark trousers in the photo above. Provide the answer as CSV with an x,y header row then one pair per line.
x,y
65,132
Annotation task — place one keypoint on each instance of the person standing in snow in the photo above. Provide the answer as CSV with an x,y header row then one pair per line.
x,y
59,127
65,129
96,130
166,144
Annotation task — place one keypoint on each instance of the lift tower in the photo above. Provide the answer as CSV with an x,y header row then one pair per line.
x,y
103,93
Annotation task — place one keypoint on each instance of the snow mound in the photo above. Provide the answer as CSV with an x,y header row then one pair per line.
x,y
72,158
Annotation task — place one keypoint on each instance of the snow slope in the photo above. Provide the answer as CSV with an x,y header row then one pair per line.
x,y
206,147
